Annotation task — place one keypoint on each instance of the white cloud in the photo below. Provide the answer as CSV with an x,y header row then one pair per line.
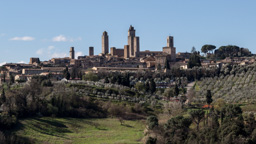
x,y
58,55
40,52
2,34
1,64
60,38
21,62
50,47
25,38
78,54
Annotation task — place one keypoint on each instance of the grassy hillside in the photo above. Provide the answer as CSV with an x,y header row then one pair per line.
x,y
73,130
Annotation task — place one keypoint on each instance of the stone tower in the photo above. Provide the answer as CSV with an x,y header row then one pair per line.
x,y
133,42
72,53
91,51
169,41
105,43
170,49
126,51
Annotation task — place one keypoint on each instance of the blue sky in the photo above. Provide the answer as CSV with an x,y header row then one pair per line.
x,y
47,28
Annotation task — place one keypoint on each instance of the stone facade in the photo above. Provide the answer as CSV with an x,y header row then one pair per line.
x,y
116,52
126,51
105,44
34,60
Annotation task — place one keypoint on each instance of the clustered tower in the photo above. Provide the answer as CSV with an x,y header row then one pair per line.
x,y
133,42
105,45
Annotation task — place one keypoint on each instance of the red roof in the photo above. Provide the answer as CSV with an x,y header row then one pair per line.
x,y
207,106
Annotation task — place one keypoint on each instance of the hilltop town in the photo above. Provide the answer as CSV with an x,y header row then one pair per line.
x,y
127,59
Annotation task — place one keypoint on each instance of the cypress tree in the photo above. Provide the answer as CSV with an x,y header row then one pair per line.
x,y
3,97
209,97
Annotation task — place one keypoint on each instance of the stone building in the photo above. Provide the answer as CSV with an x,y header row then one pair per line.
x,y
162,59
105,44
126,51
91,51
72,53
34,61
116,52
60,61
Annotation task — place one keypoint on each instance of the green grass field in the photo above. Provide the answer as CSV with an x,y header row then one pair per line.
x,y
81,131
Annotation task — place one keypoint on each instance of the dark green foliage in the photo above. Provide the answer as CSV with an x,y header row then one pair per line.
x,y
197,116
147,87
76,73
90,77
11,79
152,122
121,79
194,60
231,51
167,66
250,123
206,48
152,85
231,111
177,129
47,83
66,73
209,97
176,90
159,67
7,120
106,80
3,97
151,140
233,129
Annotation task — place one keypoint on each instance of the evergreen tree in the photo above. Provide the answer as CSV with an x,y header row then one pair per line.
x,y
152,122
167,66
3,97
152,85
106,80
66,73
197,116
176,90
147,87
11,79
209,97
194,60
159,67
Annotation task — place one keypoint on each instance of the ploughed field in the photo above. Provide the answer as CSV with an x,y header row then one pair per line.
x,y
75,130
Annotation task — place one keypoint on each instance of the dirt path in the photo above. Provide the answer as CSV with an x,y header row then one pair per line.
x,y
189,86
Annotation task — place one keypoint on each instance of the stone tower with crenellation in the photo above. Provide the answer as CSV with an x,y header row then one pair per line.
x,y
133,42
105,45
72,53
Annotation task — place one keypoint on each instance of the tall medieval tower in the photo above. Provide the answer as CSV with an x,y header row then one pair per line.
x,y
105,43
72,53
133,42
170,49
